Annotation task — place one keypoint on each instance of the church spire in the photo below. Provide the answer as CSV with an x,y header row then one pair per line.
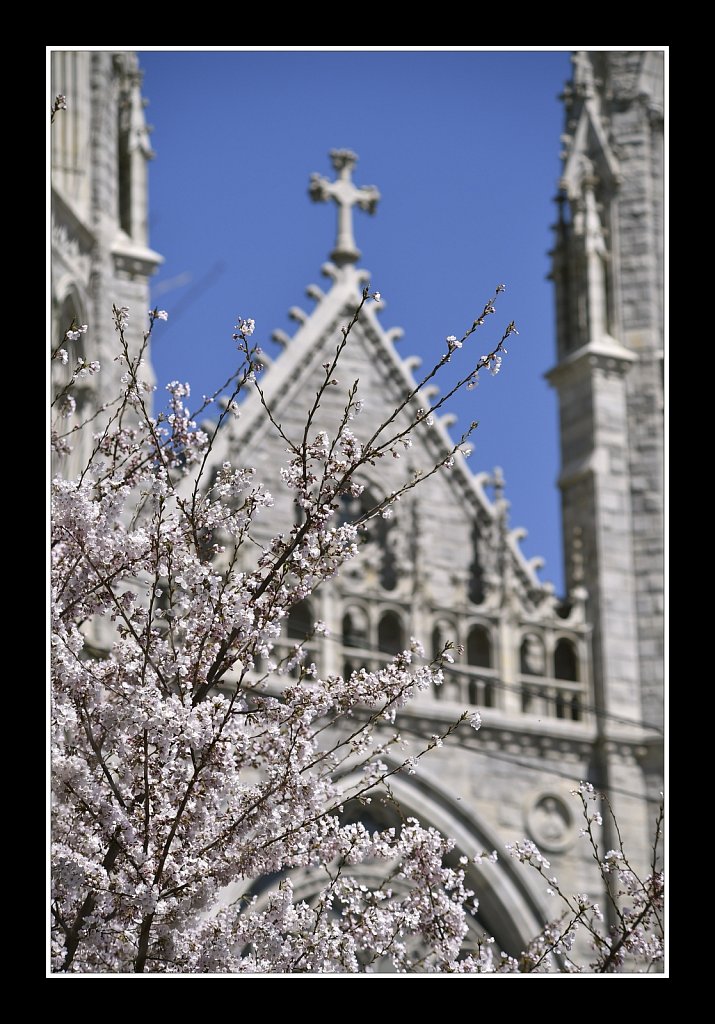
x,y
346,195
608,273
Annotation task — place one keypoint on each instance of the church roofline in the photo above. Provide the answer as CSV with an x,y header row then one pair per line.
x,y
280,374
345,294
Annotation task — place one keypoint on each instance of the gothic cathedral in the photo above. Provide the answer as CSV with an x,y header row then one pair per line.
x,y
569,688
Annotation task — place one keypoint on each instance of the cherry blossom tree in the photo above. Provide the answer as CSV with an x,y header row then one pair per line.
x,y
190,760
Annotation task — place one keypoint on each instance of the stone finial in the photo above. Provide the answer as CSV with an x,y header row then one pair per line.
x,y
346,195
329,270
280,337
498,482
314,292
583,72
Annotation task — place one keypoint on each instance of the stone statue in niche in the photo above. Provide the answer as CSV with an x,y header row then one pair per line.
x,y
533,659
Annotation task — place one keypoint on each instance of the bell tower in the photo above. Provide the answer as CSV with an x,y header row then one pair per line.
x,y
608,275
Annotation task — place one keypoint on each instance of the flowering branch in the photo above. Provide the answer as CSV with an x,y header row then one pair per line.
x,y
193,755
60,103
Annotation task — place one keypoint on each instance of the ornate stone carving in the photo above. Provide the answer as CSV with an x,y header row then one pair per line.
x,y
67,244
550,822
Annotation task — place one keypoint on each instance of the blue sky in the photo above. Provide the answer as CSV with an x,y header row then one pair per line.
x,y
464,148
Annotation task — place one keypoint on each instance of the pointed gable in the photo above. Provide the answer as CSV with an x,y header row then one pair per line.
x,y
588,150
446,531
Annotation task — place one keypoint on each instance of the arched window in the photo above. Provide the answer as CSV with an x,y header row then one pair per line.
x,y
379,539
390,635
436,642
566,661
479,647
67,315
133,151
300,621
124,165
355,628
351,508
476,570
388,537
532,657
70,314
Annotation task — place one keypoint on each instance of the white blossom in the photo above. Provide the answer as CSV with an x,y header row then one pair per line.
x,y
74,334
245,327
121,316
67,406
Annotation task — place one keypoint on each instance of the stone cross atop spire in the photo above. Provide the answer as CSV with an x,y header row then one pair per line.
x,y
346,195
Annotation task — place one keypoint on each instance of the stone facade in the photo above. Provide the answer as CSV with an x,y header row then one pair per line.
x,y
99,244
557,707
570,688
608,275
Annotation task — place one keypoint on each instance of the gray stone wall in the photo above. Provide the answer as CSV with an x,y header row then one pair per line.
x,y
95,263
636,124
